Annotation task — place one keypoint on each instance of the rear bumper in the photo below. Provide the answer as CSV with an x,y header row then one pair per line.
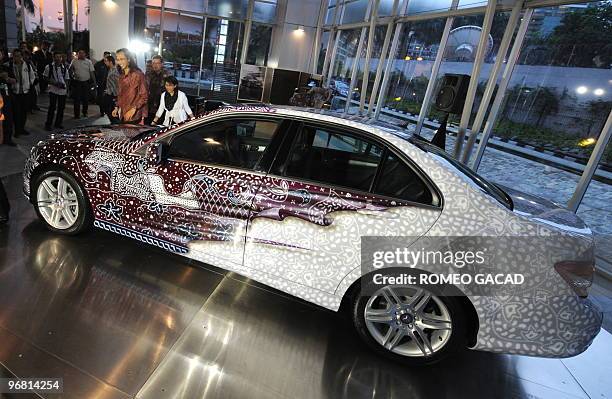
x,y
558,327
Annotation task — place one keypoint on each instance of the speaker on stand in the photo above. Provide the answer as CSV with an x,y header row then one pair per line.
x,y
450,100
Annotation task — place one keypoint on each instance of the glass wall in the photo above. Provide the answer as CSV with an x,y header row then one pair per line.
x,y
324,42
227,8
560,93
425,6
264,11
147,26
379,39
259,44
460,53
354,11
196,6
343,65
412,65
182,48
595,210
203,52
556,104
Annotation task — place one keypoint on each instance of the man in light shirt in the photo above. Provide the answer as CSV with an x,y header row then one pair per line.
x,y
83,78
57,76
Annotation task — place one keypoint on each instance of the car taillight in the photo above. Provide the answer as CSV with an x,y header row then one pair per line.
x,y
577,274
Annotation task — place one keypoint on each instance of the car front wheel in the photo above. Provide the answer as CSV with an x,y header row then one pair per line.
x,y
414,325
60,203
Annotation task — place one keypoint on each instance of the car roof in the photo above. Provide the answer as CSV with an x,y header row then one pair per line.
x,y
364,122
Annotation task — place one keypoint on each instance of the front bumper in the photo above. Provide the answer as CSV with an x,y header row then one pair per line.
x,y
560,326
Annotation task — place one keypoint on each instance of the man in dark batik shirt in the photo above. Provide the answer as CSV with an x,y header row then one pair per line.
x,y
155,81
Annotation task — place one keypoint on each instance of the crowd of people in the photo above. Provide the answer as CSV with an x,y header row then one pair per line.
x,y
115,83
122,91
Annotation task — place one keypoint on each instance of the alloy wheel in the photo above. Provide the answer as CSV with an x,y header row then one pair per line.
x,y
57,202
408,320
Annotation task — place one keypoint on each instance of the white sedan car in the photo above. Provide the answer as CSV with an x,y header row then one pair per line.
x,y
329,210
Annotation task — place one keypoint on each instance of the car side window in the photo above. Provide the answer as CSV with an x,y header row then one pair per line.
x,y
233,142
398,180
333,157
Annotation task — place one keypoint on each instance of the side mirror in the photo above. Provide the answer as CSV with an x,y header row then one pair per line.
x,y
157,153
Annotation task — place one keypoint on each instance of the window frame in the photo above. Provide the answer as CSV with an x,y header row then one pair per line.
x,y
282,157
266,158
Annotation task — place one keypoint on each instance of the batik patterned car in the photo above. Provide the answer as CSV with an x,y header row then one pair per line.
x,y
286,197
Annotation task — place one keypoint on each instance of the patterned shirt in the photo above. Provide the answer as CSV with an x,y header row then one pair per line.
x,y
133,93
112,82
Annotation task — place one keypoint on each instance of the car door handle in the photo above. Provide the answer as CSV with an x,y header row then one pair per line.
x,y
379,214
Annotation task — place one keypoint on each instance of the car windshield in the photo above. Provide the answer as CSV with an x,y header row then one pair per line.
x,y
479,181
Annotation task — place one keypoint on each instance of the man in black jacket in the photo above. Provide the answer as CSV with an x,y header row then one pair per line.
x,y
101,72
42,57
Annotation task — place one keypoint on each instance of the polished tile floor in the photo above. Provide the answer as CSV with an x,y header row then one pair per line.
x,y
118,319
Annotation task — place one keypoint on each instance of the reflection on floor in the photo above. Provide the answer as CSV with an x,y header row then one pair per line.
x,y
117,319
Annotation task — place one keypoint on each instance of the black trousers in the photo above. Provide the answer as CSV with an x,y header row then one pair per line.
x,y
108,105
56,102
42,83
5,207
21,106
80,92
7,123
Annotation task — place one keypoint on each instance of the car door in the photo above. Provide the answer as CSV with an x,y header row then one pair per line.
x,y
203,192
332,187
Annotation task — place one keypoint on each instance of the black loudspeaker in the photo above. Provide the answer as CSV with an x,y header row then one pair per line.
x,y
451,96
284,84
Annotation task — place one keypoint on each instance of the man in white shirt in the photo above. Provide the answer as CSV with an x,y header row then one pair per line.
x,y
83,77
57,76
21,80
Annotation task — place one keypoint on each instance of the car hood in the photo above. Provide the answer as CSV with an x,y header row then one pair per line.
x,y
546,212
105,132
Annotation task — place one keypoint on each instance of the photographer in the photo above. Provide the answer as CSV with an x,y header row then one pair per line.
x,y
57,76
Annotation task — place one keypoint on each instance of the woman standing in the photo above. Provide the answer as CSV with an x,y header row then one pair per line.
x,y
132,94
173,103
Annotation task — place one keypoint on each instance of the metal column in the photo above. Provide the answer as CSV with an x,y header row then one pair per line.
x,y
591,167
369,12
366,67
161,28
380,102
355,68
330,41
332,58
379,69
488,93
317,39
431,86
202,54
501,90
471,92
247,32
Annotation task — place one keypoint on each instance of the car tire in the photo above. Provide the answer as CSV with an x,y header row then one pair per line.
x,y
443,342
68,212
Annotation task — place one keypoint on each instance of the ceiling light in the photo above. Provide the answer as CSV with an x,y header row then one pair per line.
x,y
581,89
299,31
598,92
